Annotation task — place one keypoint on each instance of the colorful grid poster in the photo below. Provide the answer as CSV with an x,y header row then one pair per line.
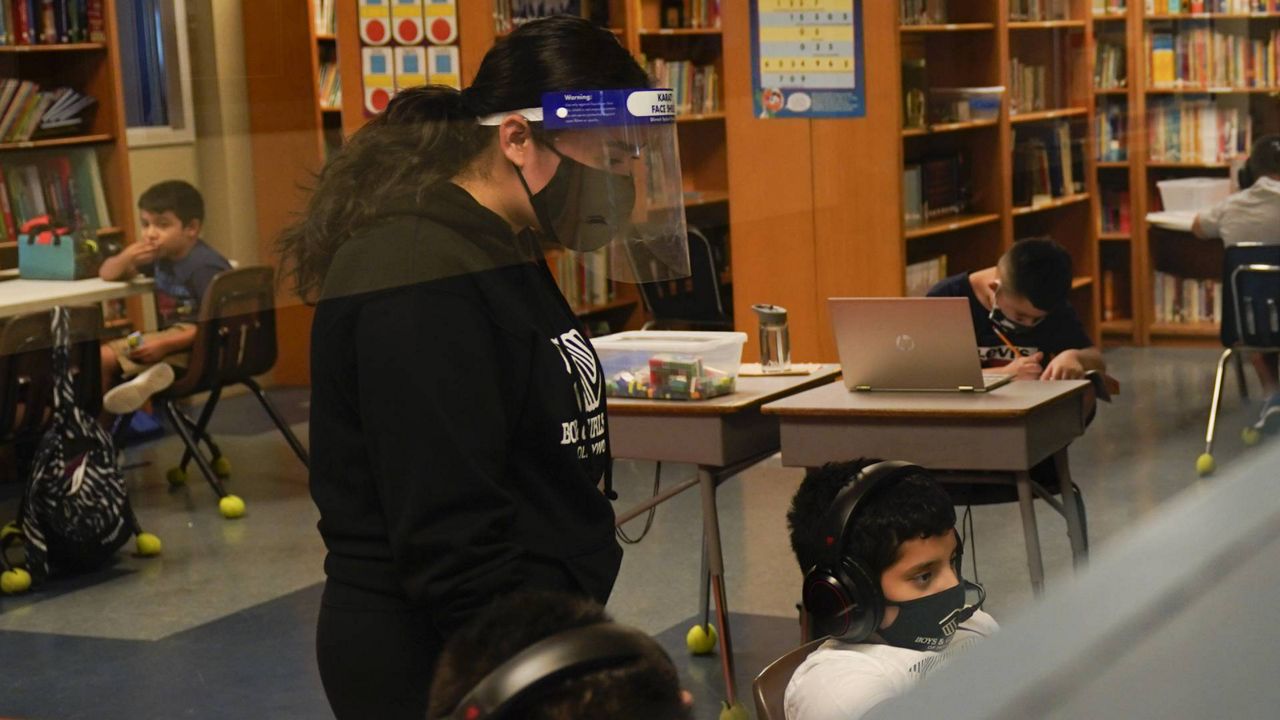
x,y
807,58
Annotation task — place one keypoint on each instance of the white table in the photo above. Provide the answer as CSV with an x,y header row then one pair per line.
x,y
19,296
974,437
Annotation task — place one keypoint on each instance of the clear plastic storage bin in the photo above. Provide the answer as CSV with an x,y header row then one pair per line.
x,y
1193,194
670,365
973,104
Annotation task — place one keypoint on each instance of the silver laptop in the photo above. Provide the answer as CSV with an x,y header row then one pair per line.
x,y
909,344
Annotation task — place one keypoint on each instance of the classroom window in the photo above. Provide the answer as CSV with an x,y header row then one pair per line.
x,y
156,71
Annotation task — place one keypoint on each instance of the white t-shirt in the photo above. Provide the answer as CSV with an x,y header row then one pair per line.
x,y
1249,216
843,681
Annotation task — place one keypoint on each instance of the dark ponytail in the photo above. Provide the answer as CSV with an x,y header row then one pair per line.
x,y
429,134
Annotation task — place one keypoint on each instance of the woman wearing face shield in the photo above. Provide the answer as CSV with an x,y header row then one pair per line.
x,y
458,428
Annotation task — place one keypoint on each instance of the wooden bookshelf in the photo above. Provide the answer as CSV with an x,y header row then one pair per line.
x,y
94,69
1133,257
948,28
1043,115
950,224
950,127
1053,204
292,132
1047,25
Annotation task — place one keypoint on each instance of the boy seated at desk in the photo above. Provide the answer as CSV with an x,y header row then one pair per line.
x,y
900,538
1023,320
1253,216
170,251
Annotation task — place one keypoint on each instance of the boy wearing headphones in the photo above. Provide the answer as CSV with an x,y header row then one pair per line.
x,y
1022,318
1253,216
878,544
551,656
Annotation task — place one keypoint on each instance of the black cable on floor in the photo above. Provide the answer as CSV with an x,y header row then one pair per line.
x,y
648,521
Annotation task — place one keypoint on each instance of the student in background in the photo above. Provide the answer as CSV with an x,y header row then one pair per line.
x,y
902,535
1253,216
1023,320
624,676
169,249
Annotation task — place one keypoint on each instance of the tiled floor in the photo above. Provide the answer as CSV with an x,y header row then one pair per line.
x,y
221,625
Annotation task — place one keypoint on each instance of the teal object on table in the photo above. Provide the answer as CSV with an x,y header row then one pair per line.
x,y
49,254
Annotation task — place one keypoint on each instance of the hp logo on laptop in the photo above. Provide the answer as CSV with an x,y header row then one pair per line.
x,y
905,343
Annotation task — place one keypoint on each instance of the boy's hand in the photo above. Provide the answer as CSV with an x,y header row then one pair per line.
x,y
1026,367
139,253
150,353
1066,366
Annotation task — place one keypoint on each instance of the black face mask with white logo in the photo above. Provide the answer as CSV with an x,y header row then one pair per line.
x,y
928,623
583,208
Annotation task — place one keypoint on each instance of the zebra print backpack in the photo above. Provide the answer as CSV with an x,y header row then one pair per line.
x,y
75,512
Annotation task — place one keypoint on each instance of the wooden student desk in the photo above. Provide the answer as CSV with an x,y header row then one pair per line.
x,y
19,295
982,437
722,436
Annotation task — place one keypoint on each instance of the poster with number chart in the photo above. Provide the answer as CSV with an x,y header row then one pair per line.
x,y
807,58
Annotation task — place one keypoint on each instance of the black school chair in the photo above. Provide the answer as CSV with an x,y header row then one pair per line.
x,y
235,341
693,303
770,686
1250,323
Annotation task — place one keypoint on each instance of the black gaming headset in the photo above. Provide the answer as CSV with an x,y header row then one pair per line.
x,y
573,652
841,594
1264,159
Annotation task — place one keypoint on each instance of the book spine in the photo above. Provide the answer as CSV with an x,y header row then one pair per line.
x,y
96,21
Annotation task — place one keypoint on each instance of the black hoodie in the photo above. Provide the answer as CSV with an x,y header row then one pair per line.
x,y
457,417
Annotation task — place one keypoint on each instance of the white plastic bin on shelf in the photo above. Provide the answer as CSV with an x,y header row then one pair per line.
x,y
670,365
971,104
1193,194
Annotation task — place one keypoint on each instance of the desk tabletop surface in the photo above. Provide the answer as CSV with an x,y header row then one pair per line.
x,y
752,392
1017,399
21,295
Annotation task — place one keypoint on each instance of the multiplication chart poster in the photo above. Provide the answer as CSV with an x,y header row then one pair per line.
x,y
806,58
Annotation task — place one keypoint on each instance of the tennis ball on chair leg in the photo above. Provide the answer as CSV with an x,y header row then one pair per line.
x,y
1250,436
222,467
15,581
701,640
1204,464
176,476
231,507
733,712
148,545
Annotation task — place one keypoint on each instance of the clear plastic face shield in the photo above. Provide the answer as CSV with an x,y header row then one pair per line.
x,y
616,201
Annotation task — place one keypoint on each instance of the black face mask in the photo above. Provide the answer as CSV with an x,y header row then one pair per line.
x,y
928,623
1007,326
583,208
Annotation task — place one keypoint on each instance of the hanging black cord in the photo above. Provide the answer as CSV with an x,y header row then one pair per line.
x,y
971,540
648,521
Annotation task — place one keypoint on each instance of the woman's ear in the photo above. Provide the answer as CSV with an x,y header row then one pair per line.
x,y
515,138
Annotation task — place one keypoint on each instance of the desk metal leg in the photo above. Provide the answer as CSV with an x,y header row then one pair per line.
x,y
1031,533
1071,509
704,590
715,567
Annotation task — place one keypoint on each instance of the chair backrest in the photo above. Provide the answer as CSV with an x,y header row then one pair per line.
x,y
26,370
1251,296
770,686
236,332
695,299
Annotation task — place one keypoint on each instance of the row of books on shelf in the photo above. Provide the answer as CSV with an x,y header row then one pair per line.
x,y
1109,7
27,112
1115,210
326,17
690,14
507,14
1029,89
51,22
934,188
584,279
1182,300
330,85
697,87
66,185
1196,131
1175,7
1047,163
1109,132
922,12
1208,57
1109,67
1039,10
925,274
